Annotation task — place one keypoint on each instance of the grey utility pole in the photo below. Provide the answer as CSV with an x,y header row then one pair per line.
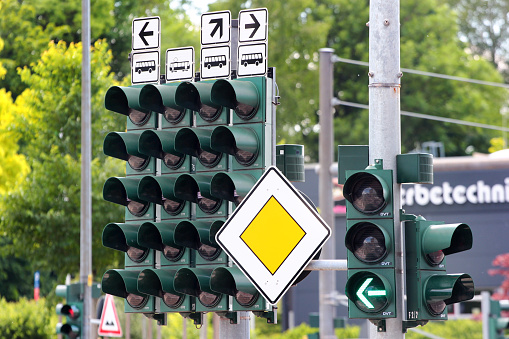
x,y
385,127
327,282
86,181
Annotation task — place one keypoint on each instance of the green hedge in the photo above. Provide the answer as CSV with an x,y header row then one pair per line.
x,y
27,319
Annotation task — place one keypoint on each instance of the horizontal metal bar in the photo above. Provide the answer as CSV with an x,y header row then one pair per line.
x,y
327,265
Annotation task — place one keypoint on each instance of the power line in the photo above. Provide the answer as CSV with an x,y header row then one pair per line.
x,y
430,74
429,117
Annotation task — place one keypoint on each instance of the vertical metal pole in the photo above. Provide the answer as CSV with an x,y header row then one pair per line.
x,y
327,282
237,331
485,311
86,181
385,127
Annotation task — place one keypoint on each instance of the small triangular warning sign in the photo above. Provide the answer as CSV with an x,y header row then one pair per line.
x,y
109,325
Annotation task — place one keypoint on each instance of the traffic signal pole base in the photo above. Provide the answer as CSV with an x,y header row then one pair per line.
x,y
240,329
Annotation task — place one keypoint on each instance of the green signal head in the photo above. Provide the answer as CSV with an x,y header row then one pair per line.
x,y
368,242
231,281
196,282
439,240
196,142
367,192
124,284
159,283
125,100
161,145
160,236
370,292
124,237
161,190
71,330
441,290
196,188
241,142
241,96
231,186
124,191
161,99
197,97
71,311
124,146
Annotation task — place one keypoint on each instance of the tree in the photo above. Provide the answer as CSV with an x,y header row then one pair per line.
x,y
42,216
501,260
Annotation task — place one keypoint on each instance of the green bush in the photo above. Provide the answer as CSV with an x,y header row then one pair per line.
x,y
450,329
27,319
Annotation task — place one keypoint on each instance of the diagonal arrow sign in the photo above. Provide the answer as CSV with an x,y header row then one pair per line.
x,y
144,34
219,25
255,25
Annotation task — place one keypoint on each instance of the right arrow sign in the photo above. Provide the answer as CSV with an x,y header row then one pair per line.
x,y
253,25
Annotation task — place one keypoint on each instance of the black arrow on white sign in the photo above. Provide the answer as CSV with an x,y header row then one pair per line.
x,y
219,25
254,25
143,34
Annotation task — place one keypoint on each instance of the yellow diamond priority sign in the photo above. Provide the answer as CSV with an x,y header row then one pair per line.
x,y
273,234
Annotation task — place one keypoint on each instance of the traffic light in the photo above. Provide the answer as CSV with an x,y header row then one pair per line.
x,y
72,310
193,151
497,323
429,288
369,240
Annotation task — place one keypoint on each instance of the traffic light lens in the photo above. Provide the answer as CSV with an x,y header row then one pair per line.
x,y
369,293
172,253
368,243
436,307
172,161
245,111
208,252
435,258
172,300
137,208
172,207
368,195
173,115
209,113
136,301
137,163
208,205
137,117
245,299
209,159
209,299
245,158
136,254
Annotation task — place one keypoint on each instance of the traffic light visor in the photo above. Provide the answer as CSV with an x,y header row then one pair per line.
x,y
445,289
124,284
161,237
161,145
159,283
124,237
124,191
124,146
231,281
241,96
125,100
161,99
367,192
448,238
196,282
196,97
241,142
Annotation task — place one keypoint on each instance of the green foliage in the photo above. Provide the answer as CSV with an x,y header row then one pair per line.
x,y
450,329
42,216
27,319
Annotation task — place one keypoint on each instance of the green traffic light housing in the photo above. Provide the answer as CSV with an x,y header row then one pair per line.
x,y
441,290
241,96
124,146
197,188
71,311
196,282
241,142
125,100
161,145
370,242
196,143
233,186
124,191
161,190
124,237
70,330
162,236
197,97
200,235
159,283
124,284
370,293
161,99
231,281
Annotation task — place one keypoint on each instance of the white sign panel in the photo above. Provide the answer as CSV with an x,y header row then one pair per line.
x,y
252,60
145,67
215,62
273,234
180,64
109,325
146,33
253,25
215,27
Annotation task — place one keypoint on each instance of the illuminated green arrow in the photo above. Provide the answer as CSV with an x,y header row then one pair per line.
x,y
361,296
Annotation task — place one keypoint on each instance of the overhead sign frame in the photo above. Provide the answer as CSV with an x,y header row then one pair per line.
x,y
272,261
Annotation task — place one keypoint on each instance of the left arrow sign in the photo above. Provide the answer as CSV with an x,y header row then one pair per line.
x,y
144,34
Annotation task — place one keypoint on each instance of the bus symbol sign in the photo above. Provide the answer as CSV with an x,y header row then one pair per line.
x,y
252,60
215,62
145,67
180,64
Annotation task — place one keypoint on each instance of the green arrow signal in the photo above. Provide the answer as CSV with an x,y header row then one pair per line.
x,y
376,293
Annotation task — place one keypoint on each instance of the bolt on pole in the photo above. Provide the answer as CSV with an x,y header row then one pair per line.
x,y
385,127
327,279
